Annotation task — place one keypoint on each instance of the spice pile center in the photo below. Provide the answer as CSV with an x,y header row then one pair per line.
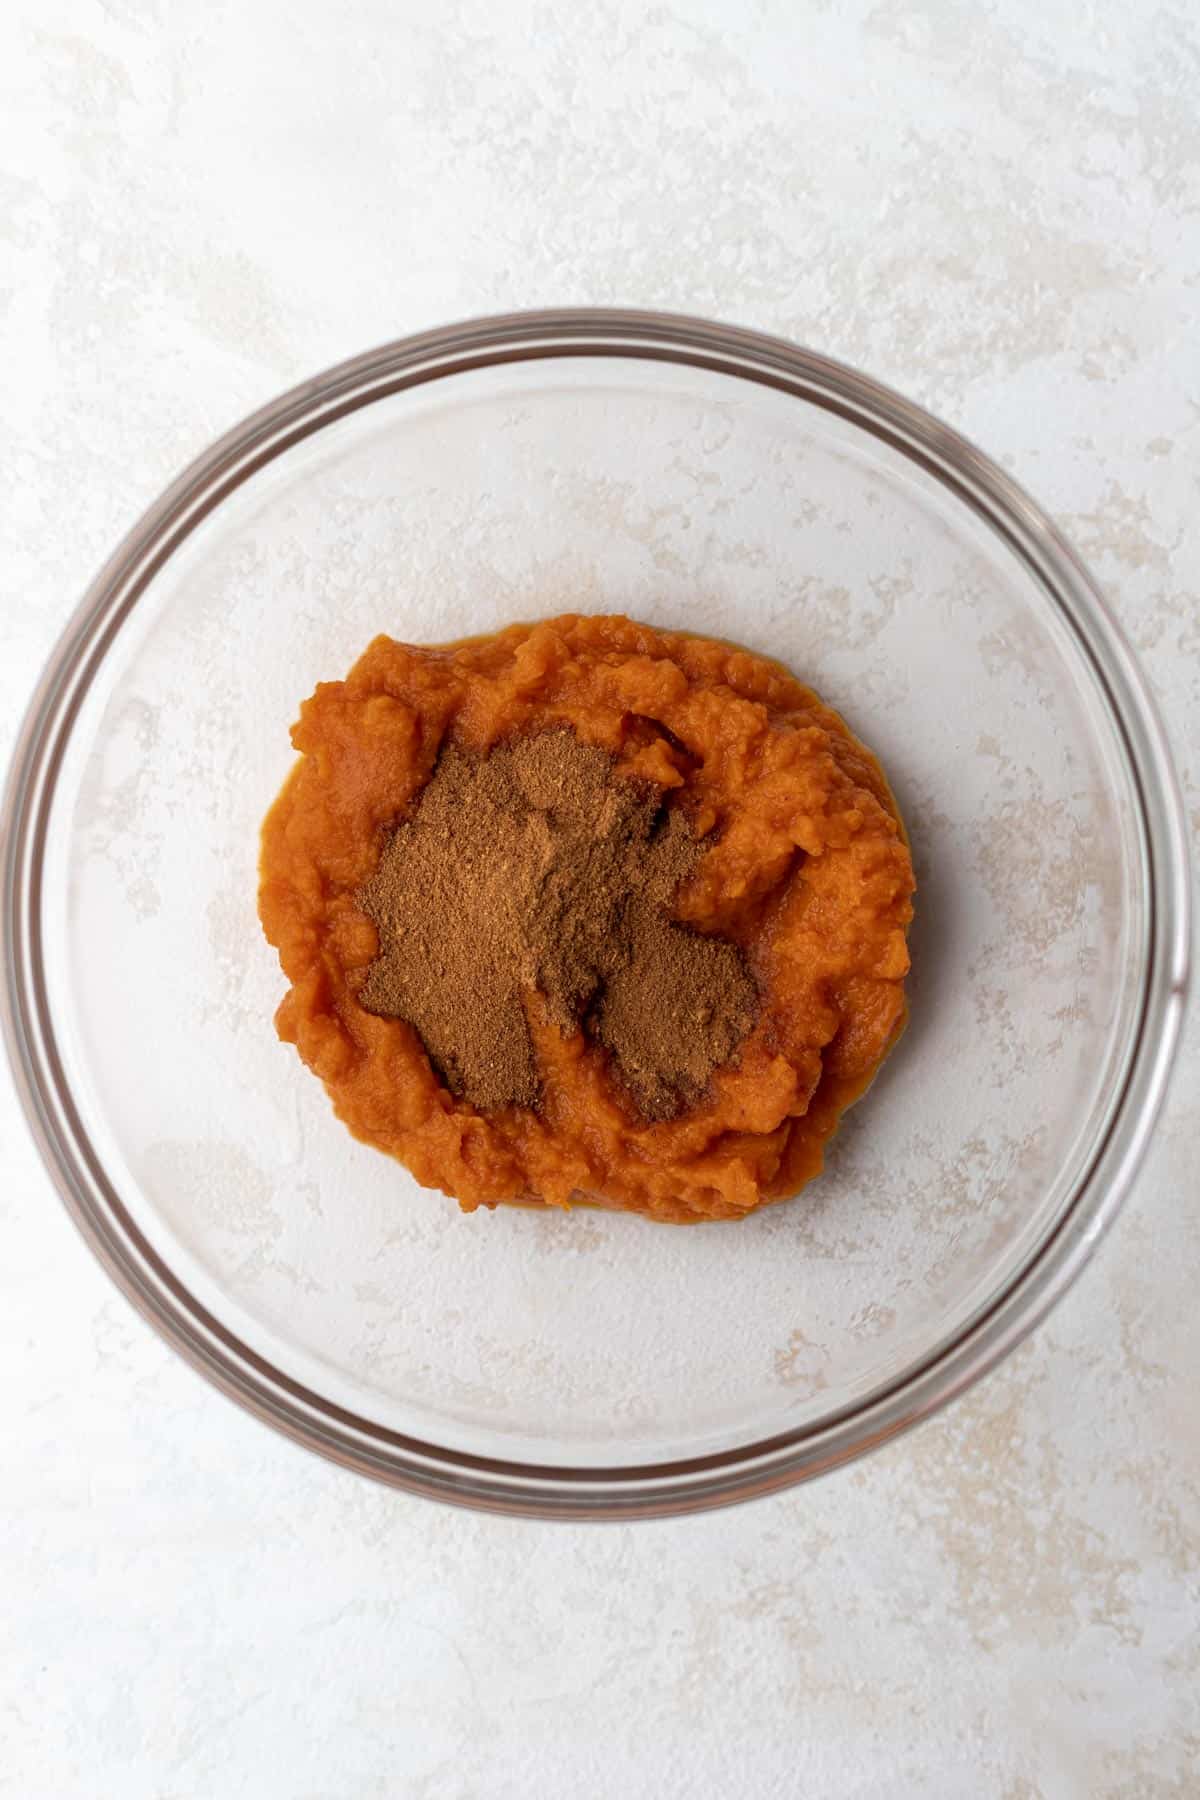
x,y
539,877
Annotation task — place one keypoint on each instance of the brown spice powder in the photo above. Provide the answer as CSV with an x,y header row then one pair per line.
x,y
538,868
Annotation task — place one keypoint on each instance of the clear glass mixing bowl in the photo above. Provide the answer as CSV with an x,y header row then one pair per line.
x,y
698,477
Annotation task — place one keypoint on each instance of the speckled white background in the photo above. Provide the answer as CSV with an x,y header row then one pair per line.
x,y
996,207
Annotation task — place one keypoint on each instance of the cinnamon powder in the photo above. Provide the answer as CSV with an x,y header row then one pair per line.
x,y
538,876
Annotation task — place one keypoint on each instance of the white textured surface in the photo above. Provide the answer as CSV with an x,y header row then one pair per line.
x,y
998,210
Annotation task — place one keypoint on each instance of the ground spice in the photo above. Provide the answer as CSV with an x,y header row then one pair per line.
x,y
539,869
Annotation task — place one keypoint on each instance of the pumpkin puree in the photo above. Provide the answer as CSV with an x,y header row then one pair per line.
x,y
806,869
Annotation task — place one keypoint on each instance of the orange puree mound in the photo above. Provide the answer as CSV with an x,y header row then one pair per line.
x,y
807,870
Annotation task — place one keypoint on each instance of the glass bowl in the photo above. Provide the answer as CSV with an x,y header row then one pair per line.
x,y
695,476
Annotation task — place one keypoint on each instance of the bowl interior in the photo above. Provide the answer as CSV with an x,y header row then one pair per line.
x,y
693,499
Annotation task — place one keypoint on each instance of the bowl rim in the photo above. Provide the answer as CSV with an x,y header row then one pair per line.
x,y
744,1470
